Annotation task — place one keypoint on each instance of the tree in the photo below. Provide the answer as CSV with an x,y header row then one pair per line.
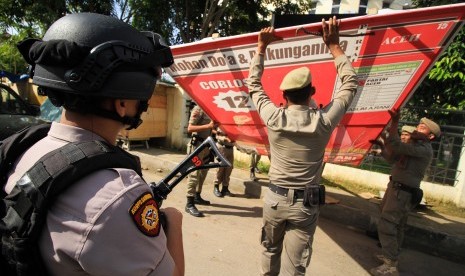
x,y
243,17
184,21
444,87
443,91
180,21
10,58
24,18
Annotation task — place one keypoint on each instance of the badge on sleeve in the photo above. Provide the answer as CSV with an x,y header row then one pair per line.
x,y
145,214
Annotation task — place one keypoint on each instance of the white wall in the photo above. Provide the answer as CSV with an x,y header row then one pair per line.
x,y
460,187
176,118
338,173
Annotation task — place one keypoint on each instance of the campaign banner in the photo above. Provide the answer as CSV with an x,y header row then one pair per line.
x,y
391,54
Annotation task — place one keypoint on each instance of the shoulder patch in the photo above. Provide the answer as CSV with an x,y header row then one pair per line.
x,y
144,211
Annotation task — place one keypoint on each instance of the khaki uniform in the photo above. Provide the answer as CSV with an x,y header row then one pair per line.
x,y
226,148
197,178
254,159
88,230
411,161
298,136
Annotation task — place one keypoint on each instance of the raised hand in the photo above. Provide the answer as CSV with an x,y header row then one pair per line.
x,y
331,35
395,115
331,31
265,37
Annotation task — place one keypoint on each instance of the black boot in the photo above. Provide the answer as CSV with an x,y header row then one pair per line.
x,y
191,209
199,200
216,191
225,191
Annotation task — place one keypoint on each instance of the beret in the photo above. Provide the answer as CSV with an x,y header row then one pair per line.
x,y
408,129
433,127
296,79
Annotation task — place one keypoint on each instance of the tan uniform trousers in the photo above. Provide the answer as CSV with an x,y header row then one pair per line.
x,y
254,159
395,209
287,234
197,178
224,174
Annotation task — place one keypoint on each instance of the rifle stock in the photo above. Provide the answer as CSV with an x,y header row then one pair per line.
x,y
191,163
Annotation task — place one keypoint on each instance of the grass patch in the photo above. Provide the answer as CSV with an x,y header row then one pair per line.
x,y
445,207
241,165
262,166
352,188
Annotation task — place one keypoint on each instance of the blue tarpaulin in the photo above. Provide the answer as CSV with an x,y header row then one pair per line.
x,y
13,77
49,112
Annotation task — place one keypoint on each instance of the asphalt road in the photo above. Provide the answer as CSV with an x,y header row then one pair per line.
x,y
226,241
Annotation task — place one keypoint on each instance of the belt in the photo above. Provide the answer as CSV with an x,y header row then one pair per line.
x,y
197,139
403,187
226,146
284,191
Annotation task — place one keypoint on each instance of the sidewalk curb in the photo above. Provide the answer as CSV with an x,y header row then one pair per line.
x,y
362,214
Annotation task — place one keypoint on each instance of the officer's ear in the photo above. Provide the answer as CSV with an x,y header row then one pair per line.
x,y
284,98
120,107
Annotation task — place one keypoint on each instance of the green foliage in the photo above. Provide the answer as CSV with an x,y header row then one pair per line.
x,y
430,3
444,86
448,78
183,21
97,6
10,58
263,167
32,16
179,21
243,17
155,16
24,18
37,16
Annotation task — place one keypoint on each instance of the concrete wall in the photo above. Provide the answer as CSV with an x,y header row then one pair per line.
x,y
338,173
177,118
460,187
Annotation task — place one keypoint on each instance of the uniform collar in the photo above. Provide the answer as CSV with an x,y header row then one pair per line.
x,y
71,133
298,107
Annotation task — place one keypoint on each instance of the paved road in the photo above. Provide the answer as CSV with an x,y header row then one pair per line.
x,y
226,241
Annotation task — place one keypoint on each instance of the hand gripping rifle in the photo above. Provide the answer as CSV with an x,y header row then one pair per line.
x,y
193,162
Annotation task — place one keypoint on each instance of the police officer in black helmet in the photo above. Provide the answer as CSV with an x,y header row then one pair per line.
x,y
103,72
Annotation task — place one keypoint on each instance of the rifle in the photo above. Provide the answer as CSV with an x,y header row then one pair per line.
x,y
191,163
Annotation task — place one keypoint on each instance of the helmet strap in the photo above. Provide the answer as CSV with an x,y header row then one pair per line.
x,y
90,105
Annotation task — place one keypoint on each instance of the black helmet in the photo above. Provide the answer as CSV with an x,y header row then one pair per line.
x,y
92,54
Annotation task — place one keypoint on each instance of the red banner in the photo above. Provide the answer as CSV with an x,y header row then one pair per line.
x,y
391,54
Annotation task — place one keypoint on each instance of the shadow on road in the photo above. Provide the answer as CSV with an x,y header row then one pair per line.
x,y
253,212
426,232
358,246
